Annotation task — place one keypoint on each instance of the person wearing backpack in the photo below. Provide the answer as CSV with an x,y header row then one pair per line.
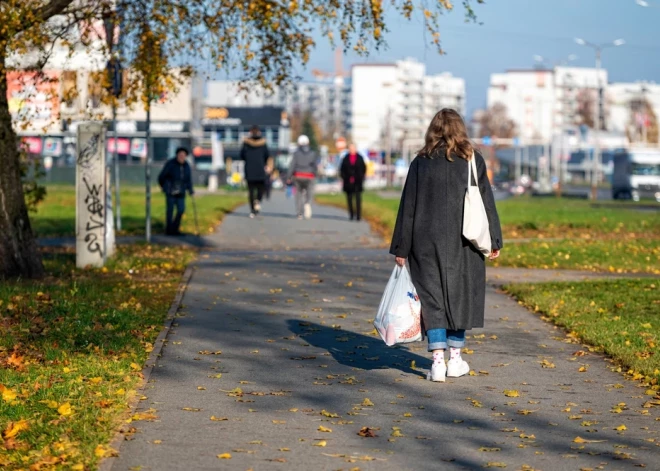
x,y
447,270
302,173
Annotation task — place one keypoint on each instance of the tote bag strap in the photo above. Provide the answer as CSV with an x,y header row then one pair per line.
x,y
472,166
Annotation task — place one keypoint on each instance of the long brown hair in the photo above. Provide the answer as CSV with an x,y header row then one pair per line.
x,y
447,129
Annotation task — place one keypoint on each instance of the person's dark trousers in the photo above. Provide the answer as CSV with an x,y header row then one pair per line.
x,y
354,210
256,193
268,186
174,222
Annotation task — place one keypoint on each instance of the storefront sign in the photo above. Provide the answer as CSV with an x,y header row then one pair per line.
x,y
33,145
168,126
123,145
139,148
220,117
52,147
126,127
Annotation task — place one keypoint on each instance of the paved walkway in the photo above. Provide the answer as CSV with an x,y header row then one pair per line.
x,y
299,359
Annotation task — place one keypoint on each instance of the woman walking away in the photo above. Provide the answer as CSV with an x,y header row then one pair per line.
x,y
255,155
302,173
448,272
352,171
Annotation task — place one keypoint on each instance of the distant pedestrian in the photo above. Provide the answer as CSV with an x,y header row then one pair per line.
x,y
302,173
175,179
257,161
353,171
448,272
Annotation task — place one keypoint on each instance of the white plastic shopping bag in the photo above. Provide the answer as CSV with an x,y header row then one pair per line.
x,y
398,318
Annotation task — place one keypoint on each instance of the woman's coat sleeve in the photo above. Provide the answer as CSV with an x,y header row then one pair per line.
x,y
489,202
403,231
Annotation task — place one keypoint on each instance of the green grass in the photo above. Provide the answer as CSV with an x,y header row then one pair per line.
x,y
618,317
56,215
557,233
71,348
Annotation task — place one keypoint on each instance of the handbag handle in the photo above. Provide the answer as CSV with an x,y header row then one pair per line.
x,y
472,166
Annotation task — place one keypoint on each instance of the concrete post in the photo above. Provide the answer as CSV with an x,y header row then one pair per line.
x,y
91,190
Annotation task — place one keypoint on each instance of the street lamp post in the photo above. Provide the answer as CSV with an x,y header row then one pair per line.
x,y
596,164
551,155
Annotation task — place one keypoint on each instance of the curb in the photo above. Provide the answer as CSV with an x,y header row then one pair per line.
x,y
149,365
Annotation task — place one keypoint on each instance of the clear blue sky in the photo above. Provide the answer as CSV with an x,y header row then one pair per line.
x,y
513,31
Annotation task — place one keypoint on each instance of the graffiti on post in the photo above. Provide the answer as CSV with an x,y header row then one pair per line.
x,y
95,213
91,210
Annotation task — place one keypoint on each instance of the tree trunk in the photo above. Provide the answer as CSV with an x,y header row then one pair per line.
x,y
19,255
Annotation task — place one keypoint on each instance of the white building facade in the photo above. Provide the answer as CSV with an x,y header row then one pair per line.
x,y
542,101
625,113
395,102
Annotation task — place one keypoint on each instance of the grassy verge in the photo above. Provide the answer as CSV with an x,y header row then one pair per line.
x,y
56,215
71,350
557,233
619,317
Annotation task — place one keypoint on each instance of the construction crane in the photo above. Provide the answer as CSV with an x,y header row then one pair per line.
x,y
339,68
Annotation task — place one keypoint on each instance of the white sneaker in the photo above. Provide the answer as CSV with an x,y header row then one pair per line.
x,y
438,372
308,211
457,367
251,215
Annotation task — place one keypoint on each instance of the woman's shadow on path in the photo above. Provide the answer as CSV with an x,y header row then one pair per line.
x,y
359,351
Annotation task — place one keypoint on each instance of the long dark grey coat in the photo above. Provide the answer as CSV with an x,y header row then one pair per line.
x,y
447,271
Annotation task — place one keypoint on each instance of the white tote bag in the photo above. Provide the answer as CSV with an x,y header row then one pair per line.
x,y
398,318
475,221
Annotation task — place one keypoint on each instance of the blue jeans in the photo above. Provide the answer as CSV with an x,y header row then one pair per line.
x,y
173,222
440,339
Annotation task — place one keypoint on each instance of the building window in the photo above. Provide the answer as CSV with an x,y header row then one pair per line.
x,y
95,82
69,88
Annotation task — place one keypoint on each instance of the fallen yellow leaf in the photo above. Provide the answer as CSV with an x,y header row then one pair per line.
x,y
511,393
320,443
8,394
14,428
225,456
65,409
367,402
582,440
50,404
324,429
621,428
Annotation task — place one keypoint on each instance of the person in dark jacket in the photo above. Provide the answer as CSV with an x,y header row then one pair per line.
x,y
353,171
302,172
175,179
448,273
257,161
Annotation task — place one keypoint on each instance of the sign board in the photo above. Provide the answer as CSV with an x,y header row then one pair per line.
x,y
52,147
139,148
90,195
340,144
